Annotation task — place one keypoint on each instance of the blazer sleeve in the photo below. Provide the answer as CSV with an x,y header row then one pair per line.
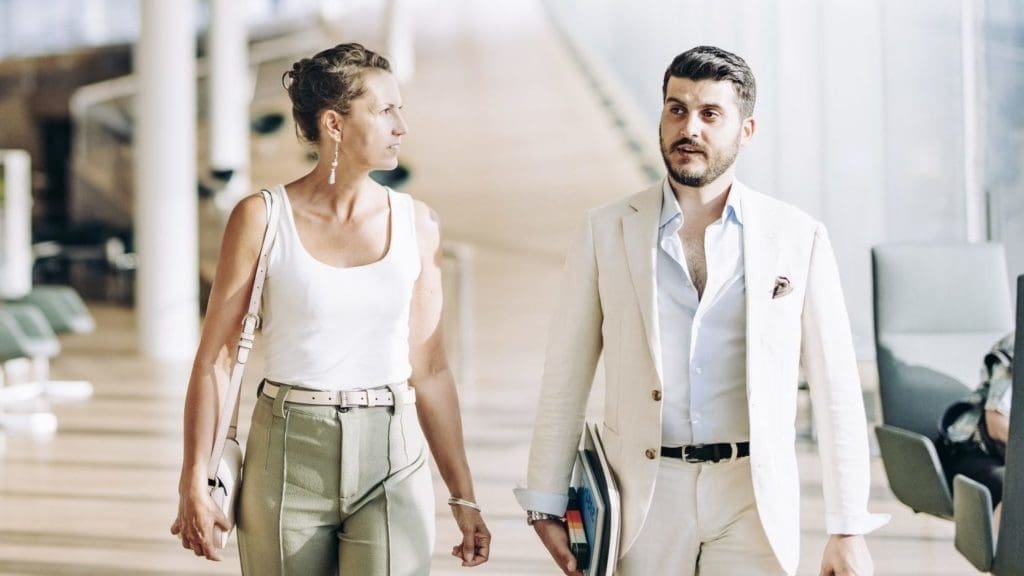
x,y
830,366
574,346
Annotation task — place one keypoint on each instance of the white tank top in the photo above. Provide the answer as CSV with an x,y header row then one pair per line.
x,y
330,328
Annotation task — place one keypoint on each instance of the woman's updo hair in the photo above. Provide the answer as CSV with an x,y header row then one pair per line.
x,y
330,80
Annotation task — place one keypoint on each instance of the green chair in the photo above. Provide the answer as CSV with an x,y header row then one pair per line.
x,y
42,346
41,340
13,342
16,345
63,308
66,313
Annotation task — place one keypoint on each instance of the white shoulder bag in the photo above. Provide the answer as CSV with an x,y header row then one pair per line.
x,y
225,464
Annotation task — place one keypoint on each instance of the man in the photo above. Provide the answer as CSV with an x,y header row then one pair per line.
x,y
705,297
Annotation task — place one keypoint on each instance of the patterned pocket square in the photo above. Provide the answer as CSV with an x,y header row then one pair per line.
x,y
782,287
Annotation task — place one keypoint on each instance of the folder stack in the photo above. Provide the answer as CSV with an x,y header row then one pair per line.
x,y
598,505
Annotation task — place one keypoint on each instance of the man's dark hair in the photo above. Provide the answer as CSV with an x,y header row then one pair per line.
x,y
711,63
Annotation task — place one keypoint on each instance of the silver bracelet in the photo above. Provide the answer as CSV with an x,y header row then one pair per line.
x,y
453,501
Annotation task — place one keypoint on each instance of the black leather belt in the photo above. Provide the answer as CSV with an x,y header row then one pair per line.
x,y
700,453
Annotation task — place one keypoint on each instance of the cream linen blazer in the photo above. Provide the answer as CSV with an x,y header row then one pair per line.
x,y
795,316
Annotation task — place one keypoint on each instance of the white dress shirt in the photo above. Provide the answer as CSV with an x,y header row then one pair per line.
x,y
703,340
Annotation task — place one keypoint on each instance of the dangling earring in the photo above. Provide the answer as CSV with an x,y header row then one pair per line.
x,y
334,164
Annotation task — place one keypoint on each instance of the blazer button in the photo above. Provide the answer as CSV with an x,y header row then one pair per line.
x,y
651,454
656,394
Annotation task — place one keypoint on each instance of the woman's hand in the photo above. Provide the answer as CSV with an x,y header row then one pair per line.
x,y
476,539
197,517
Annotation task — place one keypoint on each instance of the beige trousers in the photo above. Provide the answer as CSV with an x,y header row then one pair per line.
x,y
328,491
702,520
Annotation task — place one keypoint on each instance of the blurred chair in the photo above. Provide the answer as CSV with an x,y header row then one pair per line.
x,y
972,502
43,314
16,345
938,309
39,340
63,308
972,513
41,345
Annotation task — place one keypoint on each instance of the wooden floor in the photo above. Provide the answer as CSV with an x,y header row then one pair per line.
x,y
509,145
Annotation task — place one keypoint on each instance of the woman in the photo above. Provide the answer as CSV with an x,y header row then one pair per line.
x,y
352,303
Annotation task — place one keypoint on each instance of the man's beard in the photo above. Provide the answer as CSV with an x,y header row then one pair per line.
x,y
717,163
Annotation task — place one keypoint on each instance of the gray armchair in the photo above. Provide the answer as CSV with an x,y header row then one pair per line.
x,y
938,309
973,503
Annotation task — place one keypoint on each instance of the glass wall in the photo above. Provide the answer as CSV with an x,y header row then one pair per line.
x,y
1003,87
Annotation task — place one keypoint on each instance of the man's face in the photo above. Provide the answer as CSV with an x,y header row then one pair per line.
x,y
702,130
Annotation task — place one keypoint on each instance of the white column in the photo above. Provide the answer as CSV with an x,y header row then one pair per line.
x,y
15,223
167,285
974,192
399,38
229,93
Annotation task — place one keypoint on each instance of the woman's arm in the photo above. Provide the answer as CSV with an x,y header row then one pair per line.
x,y
229,301
436,398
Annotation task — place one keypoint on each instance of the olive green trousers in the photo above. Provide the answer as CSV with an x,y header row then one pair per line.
x,y
329,490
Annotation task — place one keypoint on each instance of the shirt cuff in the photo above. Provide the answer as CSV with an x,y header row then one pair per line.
x,y
542,501
855,523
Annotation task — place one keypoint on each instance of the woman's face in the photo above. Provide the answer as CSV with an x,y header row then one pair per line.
x,y
371,133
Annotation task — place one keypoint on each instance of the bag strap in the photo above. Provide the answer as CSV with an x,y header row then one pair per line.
x,y
227,422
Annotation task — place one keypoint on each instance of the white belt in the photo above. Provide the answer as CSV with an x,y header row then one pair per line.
x,y
342,398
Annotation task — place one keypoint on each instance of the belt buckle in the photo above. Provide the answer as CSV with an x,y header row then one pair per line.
x,y
251,322
343,400
691,459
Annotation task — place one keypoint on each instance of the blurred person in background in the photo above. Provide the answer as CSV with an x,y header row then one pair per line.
x,y
975,430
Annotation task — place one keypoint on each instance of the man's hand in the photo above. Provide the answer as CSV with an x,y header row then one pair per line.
x,y
555,537
847,556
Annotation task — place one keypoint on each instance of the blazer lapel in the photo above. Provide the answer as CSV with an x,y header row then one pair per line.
x,y
760,256
640,234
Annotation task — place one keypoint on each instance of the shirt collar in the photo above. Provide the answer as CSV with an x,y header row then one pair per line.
x,y
734,203
670,206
